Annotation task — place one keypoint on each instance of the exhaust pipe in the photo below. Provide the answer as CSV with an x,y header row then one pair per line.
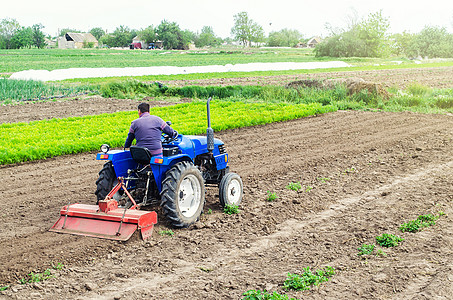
x,y
209,130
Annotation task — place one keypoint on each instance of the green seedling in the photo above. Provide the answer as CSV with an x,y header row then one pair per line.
x,y
349,170
4,288
271,196
209,211
380,252
58,266
231,209
308,188
365,249
308,279
388,240
418,224
259,295
323,179
36,277
294,186
167,232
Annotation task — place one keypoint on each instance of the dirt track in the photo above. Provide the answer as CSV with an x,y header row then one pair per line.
x,y
363,174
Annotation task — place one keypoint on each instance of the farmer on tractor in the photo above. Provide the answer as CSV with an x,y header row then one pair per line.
x,y
176,181
147,130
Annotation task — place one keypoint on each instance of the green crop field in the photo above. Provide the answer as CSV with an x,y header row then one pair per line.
x,y
252,105
52,59
42,139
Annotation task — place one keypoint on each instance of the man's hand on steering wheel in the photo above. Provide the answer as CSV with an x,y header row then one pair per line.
x,y
168,138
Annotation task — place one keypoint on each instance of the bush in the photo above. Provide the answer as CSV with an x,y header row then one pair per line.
x,y
231,209
388,240
307,279
420,223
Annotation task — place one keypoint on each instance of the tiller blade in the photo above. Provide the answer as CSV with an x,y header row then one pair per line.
x,y
106,220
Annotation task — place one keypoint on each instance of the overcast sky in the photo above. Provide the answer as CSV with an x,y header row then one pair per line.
x,y
308,17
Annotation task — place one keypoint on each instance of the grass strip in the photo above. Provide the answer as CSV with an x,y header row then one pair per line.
x,y
30,90
20,142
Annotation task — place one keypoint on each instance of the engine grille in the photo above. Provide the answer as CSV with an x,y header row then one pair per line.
x,y
222,149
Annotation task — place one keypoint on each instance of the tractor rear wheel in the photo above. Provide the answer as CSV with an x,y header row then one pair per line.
x,y
183,194
230,189
106,181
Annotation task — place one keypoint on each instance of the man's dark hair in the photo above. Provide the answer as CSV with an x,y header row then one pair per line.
x,y
143,107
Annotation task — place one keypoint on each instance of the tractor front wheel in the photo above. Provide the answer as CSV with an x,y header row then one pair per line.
x,y
183,194
230,189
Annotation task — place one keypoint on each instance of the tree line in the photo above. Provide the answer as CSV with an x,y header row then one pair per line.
x,y
14,36
246,31
368,37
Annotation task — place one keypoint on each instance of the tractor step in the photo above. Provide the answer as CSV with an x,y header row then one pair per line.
x,y
112,223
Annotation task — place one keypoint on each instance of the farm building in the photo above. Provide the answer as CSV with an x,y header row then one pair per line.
x,y
73,40
313,42
310,44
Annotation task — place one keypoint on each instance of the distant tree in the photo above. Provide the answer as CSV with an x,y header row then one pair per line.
x,y
246,30
284,38
207,38
8,28
402,44
188,37
257,34
66,30
367,38
97,32
122,36
373,31
433,42
23,38
133,33
39,39
172,36
107,40
148,35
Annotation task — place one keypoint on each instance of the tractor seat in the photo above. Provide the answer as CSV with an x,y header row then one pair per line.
x,y
141,155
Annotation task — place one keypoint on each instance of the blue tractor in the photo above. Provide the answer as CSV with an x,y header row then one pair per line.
x,y
132,179
175,181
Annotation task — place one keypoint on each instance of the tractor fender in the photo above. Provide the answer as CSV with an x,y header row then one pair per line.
x,y
160,166
121,160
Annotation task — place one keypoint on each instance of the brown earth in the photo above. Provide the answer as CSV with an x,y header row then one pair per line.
x,y
362,174
440,77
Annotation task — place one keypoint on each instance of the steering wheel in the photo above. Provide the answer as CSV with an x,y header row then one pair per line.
x,y
167,139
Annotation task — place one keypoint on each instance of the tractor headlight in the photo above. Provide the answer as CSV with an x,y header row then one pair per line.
x,y
105,148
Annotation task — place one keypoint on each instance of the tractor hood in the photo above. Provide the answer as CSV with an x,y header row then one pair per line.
x,y
200,144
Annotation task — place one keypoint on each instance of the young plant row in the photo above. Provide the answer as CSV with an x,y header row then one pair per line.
x,y
390,240
21,142
294,281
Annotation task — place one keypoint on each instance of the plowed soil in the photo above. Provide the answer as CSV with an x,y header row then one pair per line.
x,y
362,174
